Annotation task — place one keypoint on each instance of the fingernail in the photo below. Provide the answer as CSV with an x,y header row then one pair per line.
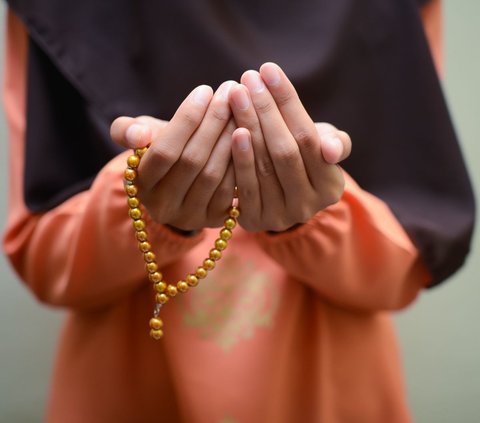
x,y
270,74
202,95
243,141
241,100
254,82
224,90
135,134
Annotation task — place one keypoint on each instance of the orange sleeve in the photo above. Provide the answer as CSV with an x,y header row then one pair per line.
x,y
83,253
354,254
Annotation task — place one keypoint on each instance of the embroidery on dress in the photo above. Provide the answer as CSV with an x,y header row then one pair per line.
x,y
228,420
235,300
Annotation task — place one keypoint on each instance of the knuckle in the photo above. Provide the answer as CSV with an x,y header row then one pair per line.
x,y
191,162
221,198
223,195
219,113
304,137
190,118
264,106
248,194
265,167
306,215
335,191
157,214
230,127
163,155
253,125
288,155
284,97
302,214
256,129
209,176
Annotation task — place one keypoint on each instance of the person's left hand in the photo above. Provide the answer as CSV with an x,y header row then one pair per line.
x,y
283,163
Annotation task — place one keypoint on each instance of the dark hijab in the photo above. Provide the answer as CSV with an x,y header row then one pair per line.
x,y
364,66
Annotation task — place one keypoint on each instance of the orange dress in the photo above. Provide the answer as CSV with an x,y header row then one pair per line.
x,y
288,328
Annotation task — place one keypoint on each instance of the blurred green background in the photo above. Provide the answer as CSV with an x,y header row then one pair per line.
x,y
439,334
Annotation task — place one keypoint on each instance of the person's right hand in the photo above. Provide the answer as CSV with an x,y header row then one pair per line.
x,y
185,178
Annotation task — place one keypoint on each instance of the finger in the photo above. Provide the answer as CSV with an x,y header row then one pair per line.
x,y
156,125
167,147
336,145
200,194
246,117
282,147
246,179
135,132
291,108
193,159
297,120
201,144
222,199
129,133
300,125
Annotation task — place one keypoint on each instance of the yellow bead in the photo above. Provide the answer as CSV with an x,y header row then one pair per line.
x,y
131,190
215,254
192,280
156,333
133,161
149,257
141,236
144,246
220,244
130,174
182,286
139,225
230,223
200,273
160,287
135,214
133,202
161,298
155,277
172,290
225,234
208,264
140,151
156,323
234,212
151,267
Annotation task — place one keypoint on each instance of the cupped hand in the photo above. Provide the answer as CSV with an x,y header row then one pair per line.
x,y
185,178
284,163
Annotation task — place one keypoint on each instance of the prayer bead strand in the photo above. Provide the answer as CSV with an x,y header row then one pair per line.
x,y
163,290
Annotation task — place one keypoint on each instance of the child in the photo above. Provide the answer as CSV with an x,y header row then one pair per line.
x,y
293,323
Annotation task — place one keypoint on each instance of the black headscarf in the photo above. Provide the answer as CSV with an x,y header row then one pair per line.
x,y
364,66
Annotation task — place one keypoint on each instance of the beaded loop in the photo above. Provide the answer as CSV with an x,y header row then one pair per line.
x,y
164,291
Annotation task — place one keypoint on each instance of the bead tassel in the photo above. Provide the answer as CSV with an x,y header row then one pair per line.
x,y
163,290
